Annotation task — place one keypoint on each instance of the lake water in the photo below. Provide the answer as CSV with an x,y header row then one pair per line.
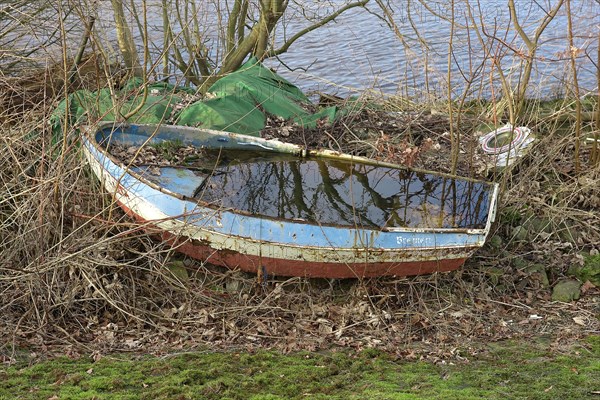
x,y
360,51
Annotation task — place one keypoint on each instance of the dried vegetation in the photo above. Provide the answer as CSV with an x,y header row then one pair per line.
x,y
76,273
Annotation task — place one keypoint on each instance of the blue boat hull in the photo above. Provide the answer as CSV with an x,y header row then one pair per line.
x,y
276,246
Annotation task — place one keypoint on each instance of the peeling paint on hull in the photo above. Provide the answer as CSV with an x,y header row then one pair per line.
x,y
312,269
406,263
281,247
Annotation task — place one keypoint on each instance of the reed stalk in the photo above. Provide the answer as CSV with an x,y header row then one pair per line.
x,y
595,159
572,54
454,134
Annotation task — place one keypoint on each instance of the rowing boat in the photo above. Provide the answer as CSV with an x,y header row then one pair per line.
x,y
277,208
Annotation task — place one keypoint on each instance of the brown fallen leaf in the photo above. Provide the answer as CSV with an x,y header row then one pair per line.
x,y
587,286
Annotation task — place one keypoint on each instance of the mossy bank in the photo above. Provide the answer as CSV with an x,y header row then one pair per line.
x,y
516,370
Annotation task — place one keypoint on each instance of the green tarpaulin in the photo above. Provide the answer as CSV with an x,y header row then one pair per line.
x,y
239,102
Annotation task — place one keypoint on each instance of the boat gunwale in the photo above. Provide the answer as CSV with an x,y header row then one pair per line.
x,y
90,132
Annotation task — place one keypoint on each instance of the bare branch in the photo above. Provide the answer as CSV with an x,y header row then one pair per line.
x,y
234,16
517,24
242,21
316,25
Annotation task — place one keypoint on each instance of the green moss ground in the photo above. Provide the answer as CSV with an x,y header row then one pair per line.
x,y
506,370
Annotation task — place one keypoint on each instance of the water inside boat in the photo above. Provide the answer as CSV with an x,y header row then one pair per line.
x,y
327,191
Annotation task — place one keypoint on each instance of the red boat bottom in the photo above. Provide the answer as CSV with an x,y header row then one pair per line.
x,y
303,268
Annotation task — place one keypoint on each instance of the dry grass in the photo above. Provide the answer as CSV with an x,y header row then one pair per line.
x,y
74,271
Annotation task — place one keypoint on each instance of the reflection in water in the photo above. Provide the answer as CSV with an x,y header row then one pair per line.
x,y
343,193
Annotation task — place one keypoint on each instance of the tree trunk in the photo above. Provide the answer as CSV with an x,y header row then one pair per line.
x,y
125,39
